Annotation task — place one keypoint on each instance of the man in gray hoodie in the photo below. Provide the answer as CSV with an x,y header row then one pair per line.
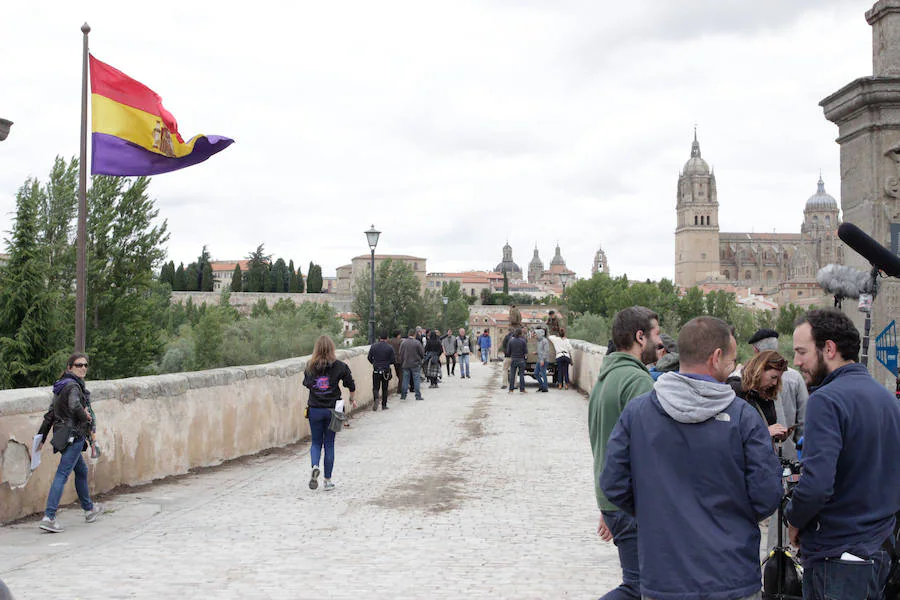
x,y
696,468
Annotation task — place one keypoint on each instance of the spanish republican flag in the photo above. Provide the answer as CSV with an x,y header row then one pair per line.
x,y
133,134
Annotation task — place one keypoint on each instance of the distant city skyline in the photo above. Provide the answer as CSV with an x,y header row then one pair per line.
x,y
527,122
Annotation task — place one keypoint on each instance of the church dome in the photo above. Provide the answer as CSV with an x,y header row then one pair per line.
x,y
507,265
821,199
536,262
557,258
695,164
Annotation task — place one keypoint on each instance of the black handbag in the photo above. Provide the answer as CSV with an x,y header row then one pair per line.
x,y
62,437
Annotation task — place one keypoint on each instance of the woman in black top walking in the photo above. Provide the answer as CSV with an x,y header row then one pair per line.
x,y
433,351
323,374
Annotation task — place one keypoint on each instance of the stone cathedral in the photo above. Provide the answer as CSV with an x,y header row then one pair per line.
x,y
780,265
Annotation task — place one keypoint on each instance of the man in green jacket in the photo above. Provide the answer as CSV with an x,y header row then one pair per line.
x,y
623,376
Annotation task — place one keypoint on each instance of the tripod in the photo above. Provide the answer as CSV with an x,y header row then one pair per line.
x,y
782,574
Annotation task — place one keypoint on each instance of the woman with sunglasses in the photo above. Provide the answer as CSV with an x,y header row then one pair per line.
x,y
71,417
759,384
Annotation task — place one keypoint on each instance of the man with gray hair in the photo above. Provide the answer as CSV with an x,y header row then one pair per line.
x,y
790,405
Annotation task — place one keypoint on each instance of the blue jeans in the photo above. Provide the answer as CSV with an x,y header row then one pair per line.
x,y
464,365
839,579
485,354
562,369
70,460
416,374
624,530
319,418
514,365
540,373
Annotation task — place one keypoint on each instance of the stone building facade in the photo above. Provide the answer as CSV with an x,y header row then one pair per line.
x,y
782,266
550,276
360,266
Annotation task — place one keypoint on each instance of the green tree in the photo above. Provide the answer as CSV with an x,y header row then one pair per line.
x,y
237,280
58,209
208,336
505,283
278,277
167,274
207,283
125,305
257,270
192,278
29,322
787,315
314,279
293,282
398,304
300,282
692,305
590,328
180,284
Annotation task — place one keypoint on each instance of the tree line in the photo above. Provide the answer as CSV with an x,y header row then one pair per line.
x,y
262,275
132,328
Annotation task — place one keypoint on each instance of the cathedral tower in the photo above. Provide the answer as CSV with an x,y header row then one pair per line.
x,y
535,267
697,231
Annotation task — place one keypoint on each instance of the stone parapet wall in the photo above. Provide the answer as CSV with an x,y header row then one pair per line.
x,y
155,427
244,301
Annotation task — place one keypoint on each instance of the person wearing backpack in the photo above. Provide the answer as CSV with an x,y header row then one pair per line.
x,y
70,416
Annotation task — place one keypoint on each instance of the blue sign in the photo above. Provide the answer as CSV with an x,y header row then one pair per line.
x,y
886,348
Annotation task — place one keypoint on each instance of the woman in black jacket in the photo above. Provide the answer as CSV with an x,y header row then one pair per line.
x,y
71,418
433,351
323,374
759,384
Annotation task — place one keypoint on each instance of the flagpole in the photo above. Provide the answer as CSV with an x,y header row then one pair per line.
x,y
81,251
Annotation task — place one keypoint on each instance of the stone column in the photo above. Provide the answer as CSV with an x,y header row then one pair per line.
x,y
867,113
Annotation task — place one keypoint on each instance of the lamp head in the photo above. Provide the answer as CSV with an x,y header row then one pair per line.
x,y
372,237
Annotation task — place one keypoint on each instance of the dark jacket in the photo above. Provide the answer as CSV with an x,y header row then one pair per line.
x,y
324,391
698,471
849,489
411,353
381,355
395,344
434,345
70,407
517,348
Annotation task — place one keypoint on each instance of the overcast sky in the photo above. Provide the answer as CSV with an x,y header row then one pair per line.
x,y
452,126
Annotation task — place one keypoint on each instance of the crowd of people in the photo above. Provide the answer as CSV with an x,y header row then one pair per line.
x,y
687,458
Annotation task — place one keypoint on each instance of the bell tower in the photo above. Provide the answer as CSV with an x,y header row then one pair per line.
x,y
697,229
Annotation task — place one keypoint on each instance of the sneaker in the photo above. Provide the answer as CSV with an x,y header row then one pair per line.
x,y
375,405
314,479
384,407
420,398
328,485
403,397
91,515
51,525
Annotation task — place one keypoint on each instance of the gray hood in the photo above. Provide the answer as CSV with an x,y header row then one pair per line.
x,y
689,400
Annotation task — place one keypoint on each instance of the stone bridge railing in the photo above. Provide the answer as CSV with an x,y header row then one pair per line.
x,y
155,427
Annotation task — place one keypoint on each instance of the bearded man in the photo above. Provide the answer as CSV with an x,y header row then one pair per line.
x,y
842,511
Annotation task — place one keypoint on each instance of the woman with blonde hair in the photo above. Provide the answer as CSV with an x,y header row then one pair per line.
x,y
759,385
324,372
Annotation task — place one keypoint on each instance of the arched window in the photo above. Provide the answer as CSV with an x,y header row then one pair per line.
x,y
695,219
768,276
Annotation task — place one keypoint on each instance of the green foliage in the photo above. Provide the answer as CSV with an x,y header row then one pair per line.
x,y
237,280
257,270
260,309
180,281
505,284
167,274
787,315
590,328
30,323
314,279
207,284
398,304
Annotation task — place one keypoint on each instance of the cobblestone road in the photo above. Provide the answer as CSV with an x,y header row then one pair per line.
x,y
473,493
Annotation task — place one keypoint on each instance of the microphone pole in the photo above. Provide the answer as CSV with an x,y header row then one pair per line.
x,y
866,307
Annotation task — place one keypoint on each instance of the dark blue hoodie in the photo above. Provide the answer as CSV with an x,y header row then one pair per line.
x,y
850,486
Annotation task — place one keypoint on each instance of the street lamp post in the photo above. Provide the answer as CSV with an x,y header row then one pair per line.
x,y
5,124
445,300
564,279
372,238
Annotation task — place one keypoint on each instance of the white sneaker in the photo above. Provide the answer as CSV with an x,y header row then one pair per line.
x,y
91,515
51,525
328,486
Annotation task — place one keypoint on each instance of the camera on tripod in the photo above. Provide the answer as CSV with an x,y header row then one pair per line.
x,y
790,474
782,573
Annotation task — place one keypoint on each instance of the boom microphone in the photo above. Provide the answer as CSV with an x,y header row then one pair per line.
x,y
880,257
845,282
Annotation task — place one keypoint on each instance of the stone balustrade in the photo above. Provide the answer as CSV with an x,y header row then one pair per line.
x,y
154,427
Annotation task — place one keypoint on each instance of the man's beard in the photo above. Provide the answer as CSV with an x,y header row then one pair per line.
x,y
648,354
818,375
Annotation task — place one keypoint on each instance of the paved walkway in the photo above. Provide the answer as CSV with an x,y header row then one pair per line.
x,y
473,493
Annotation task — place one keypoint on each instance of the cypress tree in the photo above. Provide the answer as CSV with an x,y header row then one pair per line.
x,y
207,283
180,284
237,280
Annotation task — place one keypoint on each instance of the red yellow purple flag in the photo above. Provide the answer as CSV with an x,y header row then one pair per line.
x,y
133,134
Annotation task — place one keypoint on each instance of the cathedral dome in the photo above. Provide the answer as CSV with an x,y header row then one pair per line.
x,y
821,199
695,164
507,265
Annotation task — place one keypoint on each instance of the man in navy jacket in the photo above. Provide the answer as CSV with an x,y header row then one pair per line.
x,y
695,466
843,507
